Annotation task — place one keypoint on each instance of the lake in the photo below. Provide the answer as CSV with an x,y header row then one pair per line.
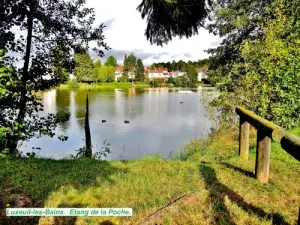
x,y
158,122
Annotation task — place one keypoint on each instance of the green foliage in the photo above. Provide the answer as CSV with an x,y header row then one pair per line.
x,y
181,65
155,83
167,18
129,65
73,84
178,82
52,32
147,80
61,63
258,61
106,74
139,70
111,61
97,64
126,67
122,79
171,80
192,76
84,68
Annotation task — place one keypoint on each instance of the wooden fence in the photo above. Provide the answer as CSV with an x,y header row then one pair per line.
x,y
266,131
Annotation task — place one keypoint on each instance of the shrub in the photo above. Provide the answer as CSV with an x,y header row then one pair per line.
x,y
122,79
73,83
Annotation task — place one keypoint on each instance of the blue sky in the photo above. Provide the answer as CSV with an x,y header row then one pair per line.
x,y
125,33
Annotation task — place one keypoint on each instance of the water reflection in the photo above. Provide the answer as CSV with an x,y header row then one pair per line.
x,y
158,122
63,107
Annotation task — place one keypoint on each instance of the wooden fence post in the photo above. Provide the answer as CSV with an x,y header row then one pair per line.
x,y
263,149
244,138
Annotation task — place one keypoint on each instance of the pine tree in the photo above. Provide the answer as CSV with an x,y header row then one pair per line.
x,y
131,63
111,61
139,70
126,67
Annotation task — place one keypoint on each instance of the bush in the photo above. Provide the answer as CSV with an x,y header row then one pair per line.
x,y
171,80
122,79
155,83
3,130
178,82
147,80
73,83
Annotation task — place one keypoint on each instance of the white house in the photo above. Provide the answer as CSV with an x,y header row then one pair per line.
x,y
118,73
158,73
202,73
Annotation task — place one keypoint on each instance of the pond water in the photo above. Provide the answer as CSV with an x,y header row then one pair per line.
x,y
158,122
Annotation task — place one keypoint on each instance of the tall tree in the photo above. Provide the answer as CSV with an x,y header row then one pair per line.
x,y
84,68
107,73
111,61
192,76
131,62
139,70
259,58
62,64
96,73
126,67
97,63
46,24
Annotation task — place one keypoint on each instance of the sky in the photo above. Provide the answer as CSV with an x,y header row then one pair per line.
x,y
125,30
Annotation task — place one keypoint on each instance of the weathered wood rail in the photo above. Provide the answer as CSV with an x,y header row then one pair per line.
x,y
266,131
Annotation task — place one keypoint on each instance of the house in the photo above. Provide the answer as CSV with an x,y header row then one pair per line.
x,y
118,72
202,73
158,74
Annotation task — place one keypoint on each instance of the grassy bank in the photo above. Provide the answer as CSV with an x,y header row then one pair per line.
x,y
206,184
112,85
85,86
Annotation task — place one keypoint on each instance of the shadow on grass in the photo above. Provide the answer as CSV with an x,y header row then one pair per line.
x,y
242,171
38,178
217,193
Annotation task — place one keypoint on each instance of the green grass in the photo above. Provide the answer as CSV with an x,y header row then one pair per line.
x,y
219,186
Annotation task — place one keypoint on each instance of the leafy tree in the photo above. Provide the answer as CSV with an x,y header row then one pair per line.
x,y
47,25
171,80
131,63
139,70
107,73
62,64
257,61
96,74
84,68
178,82
168,18
126,67
262,70
111,61
192,76
97,64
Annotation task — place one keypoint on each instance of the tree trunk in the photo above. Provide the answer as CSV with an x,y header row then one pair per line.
x,y
88,142
13,141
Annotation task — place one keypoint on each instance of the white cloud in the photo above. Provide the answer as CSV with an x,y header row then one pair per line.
x,y
125,34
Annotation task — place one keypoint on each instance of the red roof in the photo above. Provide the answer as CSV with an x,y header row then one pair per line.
x,y
158,70
119,68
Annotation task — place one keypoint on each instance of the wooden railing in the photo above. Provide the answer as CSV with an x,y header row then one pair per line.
x,y
266,131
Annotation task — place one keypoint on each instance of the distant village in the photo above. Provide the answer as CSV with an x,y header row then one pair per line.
x,y
161,74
